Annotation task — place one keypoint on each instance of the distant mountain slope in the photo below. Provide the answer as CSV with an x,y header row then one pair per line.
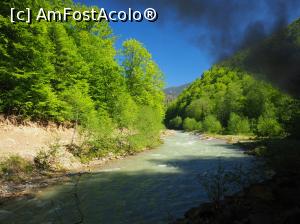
x,y
173,92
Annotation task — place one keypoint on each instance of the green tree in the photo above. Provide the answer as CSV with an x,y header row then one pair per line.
x,y
199,108
147,128
68,72
238,125
268,127
70,67
175,123
232,102
143,76
211,125
95,42
190,124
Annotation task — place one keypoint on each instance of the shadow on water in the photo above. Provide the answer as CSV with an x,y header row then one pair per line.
x,y
152,187
157,193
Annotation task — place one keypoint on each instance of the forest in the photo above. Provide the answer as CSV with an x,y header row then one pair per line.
x,y
233,97
72,74
92,105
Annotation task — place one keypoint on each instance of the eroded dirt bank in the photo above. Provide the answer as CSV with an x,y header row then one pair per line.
x,y
26,140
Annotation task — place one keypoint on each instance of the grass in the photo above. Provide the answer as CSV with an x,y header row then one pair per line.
x,y
47,160
15,168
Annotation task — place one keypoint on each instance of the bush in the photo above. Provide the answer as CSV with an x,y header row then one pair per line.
x,y
215,184
238,125
268,127
175,123
47,160
211,124
15,168
199,108
190,124
147,132
222,182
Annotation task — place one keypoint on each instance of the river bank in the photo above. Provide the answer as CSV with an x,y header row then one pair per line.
x,y
154,186
274,201
18,151
230,139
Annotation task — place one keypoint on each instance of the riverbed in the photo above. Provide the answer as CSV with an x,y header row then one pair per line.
x,y
154,187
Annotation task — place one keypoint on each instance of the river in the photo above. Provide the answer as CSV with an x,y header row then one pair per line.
x,y
152,187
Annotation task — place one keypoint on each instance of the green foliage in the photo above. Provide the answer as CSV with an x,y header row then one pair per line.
x,y
199,108
190,124
47,160
238,125
68,72
268,127
238,85
175,123
232,96
147,129
125,112
211,124
79,107
143,76
15,168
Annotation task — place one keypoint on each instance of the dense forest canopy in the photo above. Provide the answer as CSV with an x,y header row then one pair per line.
x,y
68,73
232,97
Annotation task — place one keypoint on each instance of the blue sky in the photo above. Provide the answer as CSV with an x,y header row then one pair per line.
x,y
171,44
179,59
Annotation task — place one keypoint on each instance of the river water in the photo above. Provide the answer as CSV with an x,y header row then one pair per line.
x,y
152,187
